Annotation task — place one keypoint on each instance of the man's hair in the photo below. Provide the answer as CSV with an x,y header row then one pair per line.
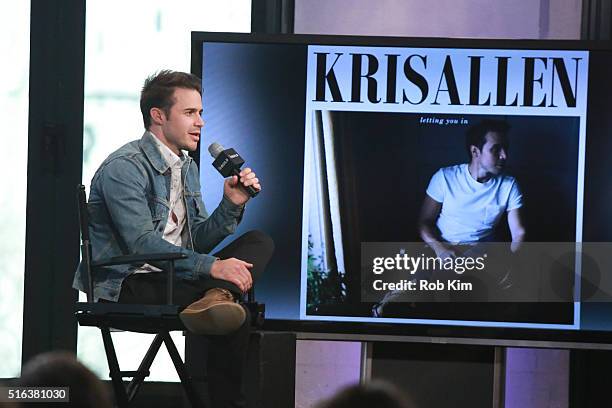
x,y
377,394
476,134
62,369
158,89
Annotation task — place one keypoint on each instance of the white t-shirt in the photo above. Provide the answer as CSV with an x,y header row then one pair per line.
x,y
471,210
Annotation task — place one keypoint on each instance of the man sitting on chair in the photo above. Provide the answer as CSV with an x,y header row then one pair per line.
x,y
145,198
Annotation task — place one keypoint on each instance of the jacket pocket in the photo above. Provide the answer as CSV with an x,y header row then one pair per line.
x,y
194,205
159,209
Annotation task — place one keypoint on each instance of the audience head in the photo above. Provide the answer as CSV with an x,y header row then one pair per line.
x,y
62,369
376,394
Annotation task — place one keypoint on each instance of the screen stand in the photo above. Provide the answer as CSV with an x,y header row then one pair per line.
x,y
366,362
438,375
499,377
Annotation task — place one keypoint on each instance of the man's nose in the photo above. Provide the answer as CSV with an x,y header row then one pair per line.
x,y
502,154
200,122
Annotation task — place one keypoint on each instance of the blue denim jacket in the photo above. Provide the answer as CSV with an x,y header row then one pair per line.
x,y
128,207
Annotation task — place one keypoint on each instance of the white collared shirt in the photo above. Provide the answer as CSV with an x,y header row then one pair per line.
x,y
175,231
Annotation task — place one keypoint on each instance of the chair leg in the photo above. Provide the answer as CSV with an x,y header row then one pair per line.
x,y
143,368
121,397
186,380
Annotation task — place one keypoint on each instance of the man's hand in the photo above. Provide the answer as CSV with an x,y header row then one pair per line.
x,y
232,187
233,270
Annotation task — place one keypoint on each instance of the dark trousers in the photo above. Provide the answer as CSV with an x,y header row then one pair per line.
x,y
225,355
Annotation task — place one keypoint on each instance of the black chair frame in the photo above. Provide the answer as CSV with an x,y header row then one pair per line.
x,y
157,319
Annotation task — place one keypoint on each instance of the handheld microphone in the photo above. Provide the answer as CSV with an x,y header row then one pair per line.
x,y
228,163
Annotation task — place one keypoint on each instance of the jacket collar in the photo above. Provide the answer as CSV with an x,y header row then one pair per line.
x,y
149,147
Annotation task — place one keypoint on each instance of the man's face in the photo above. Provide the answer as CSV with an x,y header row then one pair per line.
x,y
492,157
181,128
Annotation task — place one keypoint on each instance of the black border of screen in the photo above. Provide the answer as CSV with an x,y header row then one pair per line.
x,y
417,332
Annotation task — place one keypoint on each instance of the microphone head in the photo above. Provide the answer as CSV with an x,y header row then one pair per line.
x,y
215,149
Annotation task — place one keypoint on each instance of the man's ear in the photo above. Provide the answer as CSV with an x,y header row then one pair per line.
x,y
157,116
475,151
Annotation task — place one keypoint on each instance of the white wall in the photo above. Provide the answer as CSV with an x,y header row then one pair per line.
x,y
511,19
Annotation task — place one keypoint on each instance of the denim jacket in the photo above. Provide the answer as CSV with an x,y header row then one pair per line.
x,y
128,208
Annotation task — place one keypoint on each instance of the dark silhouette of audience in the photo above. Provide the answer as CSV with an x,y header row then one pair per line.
x,y
62,369
376,394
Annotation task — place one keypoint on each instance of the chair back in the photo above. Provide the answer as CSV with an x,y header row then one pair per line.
x,y
85,243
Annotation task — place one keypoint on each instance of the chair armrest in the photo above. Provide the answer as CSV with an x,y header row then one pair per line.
x,y
144,258
105,308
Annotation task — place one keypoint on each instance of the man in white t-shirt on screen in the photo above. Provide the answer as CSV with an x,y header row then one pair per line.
x,y
462,207
464,203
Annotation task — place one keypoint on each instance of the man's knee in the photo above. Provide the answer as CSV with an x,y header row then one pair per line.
x,y
260,238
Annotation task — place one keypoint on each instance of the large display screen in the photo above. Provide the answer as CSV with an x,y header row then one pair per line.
x,y
417,184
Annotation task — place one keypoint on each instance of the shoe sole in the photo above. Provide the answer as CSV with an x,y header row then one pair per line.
x,y
216,320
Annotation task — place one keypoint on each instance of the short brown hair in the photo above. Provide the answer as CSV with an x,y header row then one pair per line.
x,y
476,134
158,89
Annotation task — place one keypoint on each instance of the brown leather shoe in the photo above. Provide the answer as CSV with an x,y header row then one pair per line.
x,y
215,314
